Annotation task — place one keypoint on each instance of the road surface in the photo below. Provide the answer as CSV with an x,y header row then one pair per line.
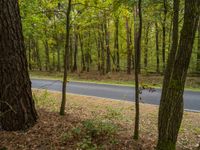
x,y
191,98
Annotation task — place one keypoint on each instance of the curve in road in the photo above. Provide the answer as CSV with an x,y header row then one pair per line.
x,y
191,98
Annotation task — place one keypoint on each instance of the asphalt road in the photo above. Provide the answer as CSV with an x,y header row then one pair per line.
x,y
191,98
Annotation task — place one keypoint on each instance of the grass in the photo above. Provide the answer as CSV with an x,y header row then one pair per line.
x,y
153,81
93,123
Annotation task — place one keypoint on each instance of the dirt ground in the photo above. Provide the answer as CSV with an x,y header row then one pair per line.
x,y
94,123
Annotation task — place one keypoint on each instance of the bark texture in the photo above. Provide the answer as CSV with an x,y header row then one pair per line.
x,y
17,109
171,105
64,85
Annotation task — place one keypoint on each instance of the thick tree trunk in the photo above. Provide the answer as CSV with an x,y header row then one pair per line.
x,y
157,50
17,110
171,105
128,46
170,37
29,54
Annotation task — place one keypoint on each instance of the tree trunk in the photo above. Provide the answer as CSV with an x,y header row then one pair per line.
x,y
116,44
102,51
128,47
82,54
63,103
17,110
157,50
146,46
170,37
136,32
29,54
98,54
198,50
107,40
70,60
54,60
46,44
171,105
39,65
164,33
137,66
75,52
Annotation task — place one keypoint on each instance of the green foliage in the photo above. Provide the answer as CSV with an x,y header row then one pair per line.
x,y
45,21
45,100
113,114
92,134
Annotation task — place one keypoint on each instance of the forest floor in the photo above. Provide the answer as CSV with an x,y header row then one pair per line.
x,y
93,123
151,80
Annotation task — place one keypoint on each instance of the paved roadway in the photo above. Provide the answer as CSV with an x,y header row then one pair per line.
x,y
191,98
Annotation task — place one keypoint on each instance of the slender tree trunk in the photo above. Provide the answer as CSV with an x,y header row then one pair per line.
x,y
46,44
128,46
82,54
107,40
99,54
17,109
157,50
137,66
58,53
62,108
102,51
39,65
136,32
54,61
171,105
88,54
164,33
75,52
58,58
198,51
116,44
70,61
146,46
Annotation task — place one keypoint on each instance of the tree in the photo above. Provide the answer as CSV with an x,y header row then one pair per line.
x,y
164,33
171,105
157,49
116,44
137,66
17,109
198,52
146,46
129,52
62,108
